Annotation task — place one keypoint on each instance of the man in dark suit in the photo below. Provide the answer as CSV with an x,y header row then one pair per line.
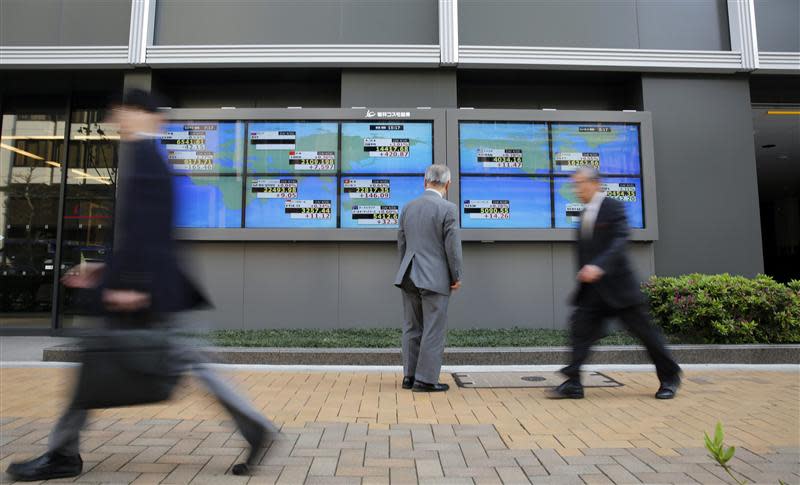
x,y
430,268
139,286
608,287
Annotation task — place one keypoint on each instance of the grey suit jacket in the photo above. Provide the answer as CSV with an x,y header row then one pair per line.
x,y
429,242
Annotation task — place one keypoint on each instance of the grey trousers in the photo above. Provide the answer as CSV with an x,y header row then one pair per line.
x,y
424,332
65,437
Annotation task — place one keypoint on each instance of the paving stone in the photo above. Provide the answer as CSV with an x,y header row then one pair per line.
x,y
618,474
312,480
323,466
512,475
664,477
403,476
429,468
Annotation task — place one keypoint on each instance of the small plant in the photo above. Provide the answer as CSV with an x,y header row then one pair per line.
x,y
722,456
718,452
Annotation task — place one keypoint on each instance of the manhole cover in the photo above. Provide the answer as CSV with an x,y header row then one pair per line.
x,y
483,380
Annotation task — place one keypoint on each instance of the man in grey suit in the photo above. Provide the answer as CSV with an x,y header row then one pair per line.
x,y
430,268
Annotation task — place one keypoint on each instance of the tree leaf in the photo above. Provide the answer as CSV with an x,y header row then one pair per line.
x,y
719,435
728,454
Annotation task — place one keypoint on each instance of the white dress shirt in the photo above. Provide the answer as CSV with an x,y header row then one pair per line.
x,y
590,214
435,192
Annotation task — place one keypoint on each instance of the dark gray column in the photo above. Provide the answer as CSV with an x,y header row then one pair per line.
x,y
401,88
705,174
138,79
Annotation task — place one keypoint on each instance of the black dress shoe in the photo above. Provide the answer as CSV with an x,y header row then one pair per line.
x,y
668,389
262,439
48,466
420,386
567,390
408,382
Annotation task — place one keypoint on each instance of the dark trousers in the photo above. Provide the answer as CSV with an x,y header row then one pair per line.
x,y
588,326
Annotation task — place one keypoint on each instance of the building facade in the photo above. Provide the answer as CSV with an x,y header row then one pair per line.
x,y
697,78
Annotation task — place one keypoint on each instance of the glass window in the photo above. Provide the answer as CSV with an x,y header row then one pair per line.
x,y
31,151
88,229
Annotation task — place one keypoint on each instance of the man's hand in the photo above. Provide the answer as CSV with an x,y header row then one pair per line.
x,y
590,273
125,300
86,275
456,285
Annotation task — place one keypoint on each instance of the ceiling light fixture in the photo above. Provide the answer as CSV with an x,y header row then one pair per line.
x,y
21,152
82,174
790,113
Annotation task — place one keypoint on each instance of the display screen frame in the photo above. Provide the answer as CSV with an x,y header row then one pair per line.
x,y
258,115
647,176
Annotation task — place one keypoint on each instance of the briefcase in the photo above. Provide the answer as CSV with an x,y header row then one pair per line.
x,y
125,369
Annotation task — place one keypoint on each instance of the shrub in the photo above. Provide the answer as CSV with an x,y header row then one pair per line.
x,y
725,309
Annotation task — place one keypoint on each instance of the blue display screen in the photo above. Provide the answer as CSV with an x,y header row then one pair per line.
x,y
198,147
504,148
208,201
626,189
376,201
373,147
291,202
292,147
505,202
611,148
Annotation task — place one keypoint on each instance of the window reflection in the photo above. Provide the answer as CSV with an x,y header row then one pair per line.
x,y
89,203
31,148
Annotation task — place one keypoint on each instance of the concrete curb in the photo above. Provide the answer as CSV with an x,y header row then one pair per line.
x,y
684,354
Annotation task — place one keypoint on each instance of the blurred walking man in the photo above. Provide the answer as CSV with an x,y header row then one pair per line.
x,y
140,285
607,287
430,268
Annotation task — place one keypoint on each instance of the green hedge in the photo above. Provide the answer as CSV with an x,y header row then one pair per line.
x,y
725,309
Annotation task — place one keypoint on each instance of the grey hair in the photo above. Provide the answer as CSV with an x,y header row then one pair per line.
x,y
590,173
437,175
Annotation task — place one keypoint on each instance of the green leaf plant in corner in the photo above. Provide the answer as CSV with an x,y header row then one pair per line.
x,y
721,455
718,452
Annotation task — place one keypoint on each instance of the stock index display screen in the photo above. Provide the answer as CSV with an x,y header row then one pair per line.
x,y
291,202
376,201
611,148
199,147
504,148
373,147
516,175
292,147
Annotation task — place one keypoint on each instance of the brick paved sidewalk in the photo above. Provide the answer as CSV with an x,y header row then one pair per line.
x,y
360,427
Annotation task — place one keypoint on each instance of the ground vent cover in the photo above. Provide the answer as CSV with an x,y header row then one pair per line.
x,y
492,380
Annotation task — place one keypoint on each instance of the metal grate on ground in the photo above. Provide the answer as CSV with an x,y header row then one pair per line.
x,y
493,380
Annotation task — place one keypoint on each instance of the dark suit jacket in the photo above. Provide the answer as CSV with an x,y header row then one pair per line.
x,y
145,255
607,249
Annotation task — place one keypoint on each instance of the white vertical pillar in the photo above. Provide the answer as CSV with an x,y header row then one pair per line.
x,y
141,33
742,25
448,32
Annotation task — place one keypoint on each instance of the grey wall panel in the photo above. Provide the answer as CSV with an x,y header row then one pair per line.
x,y
219,269
683,24
291,285
505,285
188,22
64,22
565,268
777,25
549,23
411,88
706,175
367,297
347,285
